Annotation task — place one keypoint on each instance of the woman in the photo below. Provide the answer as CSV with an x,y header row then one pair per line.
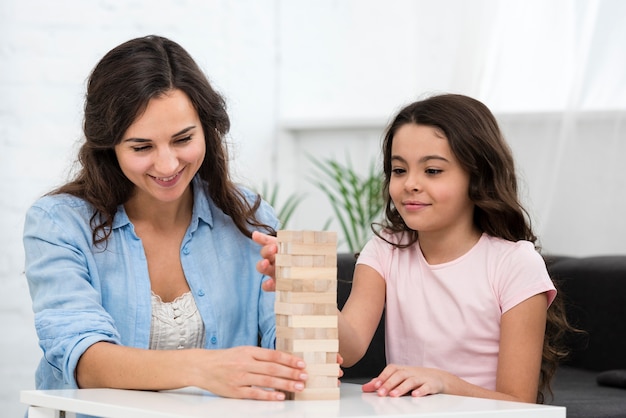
x,y
141,269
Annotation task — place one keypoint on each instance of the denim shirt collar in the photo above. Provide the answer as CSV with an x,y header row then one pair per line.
x,y
201,208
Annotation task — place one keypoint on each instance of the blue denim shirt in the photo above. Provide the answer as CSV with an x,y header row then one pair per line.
x,y
83,294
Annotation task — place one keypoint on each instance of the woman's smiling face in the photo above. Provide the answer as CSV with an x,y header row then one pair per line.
x,y
163,148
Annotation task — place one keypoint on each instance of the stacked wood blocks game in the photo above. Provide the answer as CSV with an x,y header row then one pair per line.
x,y
306,307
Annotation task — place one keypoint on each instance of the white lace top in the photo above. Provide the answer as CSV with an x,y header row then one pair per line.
x,y
176,324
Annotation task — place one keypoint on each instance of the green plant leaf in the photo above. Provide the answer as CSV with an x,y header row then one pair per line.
x,y
356,201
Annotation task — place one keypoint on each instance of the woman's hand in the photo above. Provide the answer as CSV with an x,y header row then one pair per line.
x,y
248,372
245,372
396,381
267,265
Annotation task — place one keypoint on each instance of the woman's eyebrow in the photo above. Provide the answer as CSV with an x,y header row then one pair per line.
x,y
142,140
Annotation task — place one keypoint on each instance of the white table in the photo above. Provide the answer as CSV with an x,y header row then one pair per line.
x,y
193,403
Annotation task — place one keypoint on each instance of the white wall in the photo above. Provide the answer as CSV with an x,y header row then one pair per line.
x,y
325,77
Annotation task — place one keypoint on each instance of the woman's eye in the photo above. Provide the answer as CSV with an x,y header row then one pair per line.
x,y
142,148
398,170
183,140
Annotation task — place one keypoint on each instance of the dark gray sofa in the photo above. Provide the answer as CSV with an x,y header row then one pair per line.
x,y
594,292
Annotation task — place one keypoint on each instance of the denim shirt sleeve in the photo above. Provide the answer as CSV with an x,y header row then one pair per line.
x,y
69,316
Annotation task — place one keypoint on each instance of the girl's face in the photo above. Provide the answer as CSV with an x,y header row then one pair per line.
x,y
428,186
163,148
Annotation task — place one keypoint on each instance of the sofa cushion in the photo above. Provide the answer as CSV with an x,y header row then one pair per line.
x,y
374,361
614,378
577,390
594,291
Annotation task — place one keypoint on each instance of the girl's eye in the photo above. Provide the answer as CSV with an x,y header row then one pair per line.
x,y
433,171
398,171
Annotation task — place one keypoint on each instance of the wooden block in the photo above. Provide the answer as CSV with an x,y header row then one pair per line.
x,y
317,394
306,297
326,248
307,237
327,273
306,307
330,345
314,357
285,332
284,308
322,346
324,369
312,321
305,285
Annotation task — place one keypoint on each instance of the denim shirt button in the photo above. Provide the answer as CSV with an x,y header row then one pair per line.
x,y
213,340
186,250
200,292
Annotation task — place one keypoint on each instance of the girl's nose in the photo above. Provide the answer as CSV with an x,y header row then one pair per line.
x,y
412,183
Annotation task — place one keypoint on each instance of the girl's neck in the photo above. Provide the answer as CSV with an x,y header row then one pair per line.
x,y
441,247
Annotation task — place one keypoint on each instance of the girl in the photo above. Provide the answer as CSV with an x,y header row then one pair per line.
x,y
454,264
141,269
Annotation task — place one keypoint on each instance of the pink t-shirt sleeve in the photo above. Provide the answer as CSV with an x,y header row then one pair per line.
x,y
523,274
374,255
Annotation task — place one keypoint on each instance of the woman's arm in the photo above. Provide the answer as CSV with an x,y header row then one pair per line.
x,y
240,372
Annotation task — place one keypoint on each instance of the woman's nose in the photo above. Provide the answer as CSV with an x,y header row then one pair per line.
x,y
166,162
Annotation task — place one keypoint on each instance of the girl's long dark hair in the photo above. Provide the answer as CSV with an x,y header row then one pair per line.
x,y
118,91
476,141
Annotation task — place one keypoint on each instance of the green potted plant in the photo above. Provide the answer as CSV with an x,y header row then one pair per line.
x,y
356,200
284,209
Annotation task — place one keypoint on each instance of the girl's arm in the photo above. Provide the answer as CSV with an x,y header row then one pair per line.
x,y
519,363
361,314
240,372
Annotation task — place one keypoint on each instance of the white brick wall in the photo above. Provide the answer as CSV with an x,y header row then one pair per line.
x,y
319,63
47,50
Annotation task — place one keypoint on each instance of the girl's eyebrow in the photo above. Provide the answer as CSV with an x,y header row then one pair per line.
x,y
422,160
142,140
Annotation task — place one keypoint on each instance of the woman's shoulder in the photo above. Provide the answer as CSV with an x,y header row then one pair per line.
x,y
61,210
61,202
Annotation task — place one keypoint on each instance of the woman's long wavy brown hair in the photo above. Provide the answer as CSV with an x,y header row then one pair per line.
x,y
477,143
118,91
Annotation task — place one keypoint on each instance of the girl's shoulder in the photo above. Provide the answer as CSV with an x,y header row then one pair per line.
x,y
511,252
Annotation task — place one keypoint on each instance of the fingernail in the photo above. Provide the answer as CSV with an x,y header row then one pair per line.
x,y
280,396
299,386
301,364
304,376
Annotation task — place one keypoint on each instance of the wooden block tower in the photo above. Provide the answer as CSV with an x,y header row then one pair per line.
x,y
306,307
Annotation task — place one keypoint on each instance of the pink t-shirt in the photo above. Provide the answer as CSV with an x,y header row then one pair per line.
x,y
447,316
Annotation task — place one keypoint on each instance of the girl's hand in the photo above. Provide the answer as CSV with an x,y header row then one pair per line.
x,y
268,254
248,372
396,381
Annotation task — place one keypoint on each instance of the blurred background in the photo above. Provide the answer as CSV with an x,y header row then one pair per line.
x,y
317,81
